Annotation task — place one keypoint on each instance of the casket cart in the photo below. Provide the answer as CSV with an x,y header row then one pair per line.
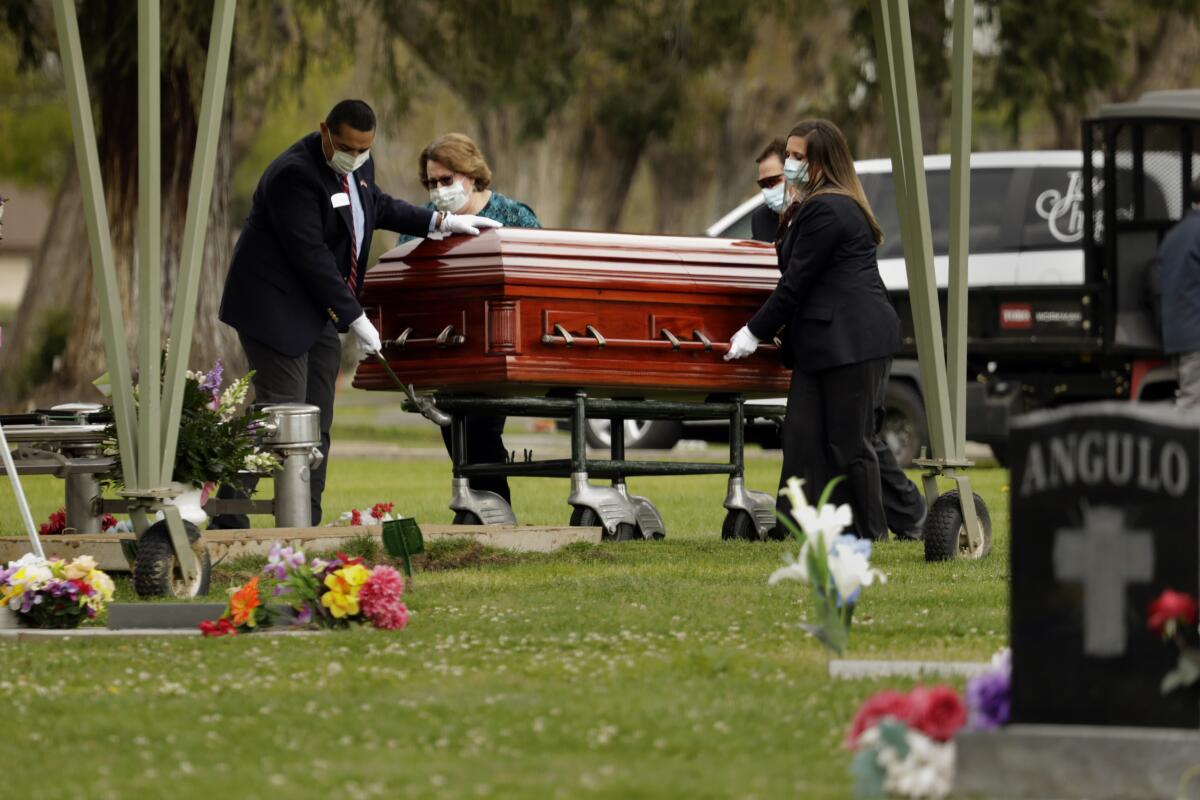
x,y
576,326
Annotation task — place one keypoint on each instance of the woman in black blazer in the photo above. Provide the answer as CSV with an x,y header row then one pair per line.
x,y
840,326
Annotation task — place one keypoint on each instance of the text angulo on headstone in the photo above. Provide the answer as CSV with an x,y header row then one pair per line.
x,y
1108,458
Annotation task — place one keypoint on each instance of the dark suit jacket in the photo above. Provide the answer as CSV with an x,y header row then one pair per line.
x,y
1179,276
288,276
830,295
764,224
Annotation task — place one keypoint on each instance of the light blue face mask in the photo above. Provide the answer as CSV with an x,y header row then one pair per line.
x,y
775,197
795,171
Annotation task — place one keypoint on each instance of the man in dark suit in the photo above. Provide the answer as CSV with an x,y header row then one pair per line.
x,y
1179,277
764,221
297,270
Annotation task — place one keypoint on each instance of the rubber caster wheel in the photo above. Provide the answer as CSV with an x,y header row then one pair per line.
x,y
946,535
584,517
466,518
156,571
739,525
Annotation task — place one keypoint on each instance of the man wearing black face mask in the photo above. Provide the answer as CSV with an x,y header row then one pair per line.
x,y
297,270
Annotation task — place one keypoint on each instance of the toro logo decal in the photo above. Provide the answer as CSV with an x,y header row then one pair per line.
x,y
1016,316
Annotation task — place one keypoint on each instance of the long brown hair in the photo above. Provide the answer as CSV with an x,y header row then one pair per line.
x,y
831,168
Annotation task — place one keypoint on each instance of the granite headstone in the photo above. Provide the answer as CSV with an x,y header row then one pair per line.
x,y
1105,502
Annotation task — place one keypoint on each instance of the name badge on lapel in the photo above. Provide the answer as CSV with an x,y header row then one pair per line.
x,y
340,199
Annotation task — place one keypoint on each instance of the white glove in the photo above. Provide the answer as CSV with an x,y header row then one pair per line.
x,y
467,223
367,336
743,344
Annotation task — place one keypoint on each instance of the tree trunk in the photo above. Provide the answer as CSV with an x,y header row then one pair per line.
x,y
604,170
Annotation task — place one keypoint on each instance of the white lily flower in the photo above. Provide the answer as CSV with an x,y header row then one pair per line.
x,y
851,571
820,524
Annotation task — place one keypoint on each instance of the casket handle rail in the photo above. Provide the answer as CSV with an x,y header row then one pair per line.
x,y
564,338
446,338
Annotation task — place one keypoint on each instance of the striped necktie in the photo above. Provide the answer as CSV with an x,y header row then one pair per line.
x,y
351,281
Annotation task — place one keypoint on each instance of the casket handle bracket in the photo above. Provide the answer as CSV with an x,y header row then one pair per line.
x,y
670,337
560,333
704,340
448,337
600,340
402,339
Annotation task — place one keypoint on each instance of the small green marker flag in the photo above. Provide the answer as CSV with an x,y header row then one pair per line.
x,y
402,539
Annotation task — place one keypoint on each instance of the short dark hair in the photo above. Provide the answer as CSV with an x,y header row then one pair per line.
x,y
775,148
355,113
1195,192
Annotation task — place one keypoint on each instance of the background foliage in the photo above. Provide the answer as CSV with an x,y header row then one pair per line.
x,y
636,115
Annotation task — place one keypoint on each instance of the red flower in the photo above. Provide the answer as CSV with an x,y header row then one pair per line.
x,y
108,521
83,586
887,703
937,712
347,561
379,509
355,517
218,627
1170,606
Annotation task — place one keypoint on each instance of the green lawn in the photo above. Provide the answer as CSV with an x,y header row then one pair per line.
x,y
648,669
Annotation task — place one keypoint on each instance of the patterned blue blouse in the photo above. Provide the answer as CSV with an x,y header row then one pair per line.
x,y
512,213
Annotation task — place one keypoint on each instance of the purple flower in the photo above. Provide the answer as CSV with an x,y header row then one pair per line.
x,y
303,615
988,697
212,381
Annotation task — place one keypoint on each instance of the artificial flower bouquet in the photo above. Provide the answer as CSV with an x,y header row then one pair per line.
x,y
904,742
379,514
325,594
1173,616
216,440
52,593
836,566
57,524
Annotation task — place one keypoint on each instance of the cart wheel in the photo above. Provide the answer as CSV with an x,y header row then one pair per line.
x,y
466,518
156,571
739,525
946,535
584,517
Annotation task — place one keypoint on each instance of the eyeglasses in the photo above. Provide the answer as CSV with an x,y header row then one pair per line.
x,y
445,180
769,181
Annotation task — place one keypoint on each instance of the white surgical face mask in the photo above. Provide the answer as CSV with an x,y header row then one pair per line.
x,y
796,171
343,163
775,197
449,198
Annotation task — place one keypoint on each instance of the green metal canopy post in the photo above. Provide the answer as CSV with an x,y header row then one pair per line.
x,y
96,214
149,242
196,226
944,389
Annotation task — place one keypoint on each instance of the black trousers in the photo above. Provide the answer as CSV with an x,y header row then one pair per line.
x,y
485,445
903,504
829,430
310,378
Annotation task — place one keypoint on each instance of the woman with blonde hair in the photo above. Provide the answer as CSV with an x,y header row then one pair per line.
x,y
841,327
459,181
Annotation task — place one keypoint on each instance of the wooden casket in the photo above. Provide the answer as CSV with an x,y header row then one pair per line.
x,y
521,312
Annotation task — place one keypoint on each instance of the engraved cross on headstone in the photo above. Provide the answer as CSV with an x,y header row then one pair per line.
x,y
1106,559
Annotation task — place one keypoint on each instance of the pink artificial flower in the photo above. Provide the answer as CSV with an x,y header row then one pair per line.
x,y
886,703
938,712
380,601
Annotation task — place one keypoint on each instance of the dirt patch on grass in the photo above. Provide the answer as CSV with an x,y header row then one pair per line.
x,y
462,554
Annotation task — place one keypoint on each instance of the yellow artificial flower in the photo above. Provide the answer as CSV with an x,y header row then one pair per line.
x,y
80,568
344,585
102,584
